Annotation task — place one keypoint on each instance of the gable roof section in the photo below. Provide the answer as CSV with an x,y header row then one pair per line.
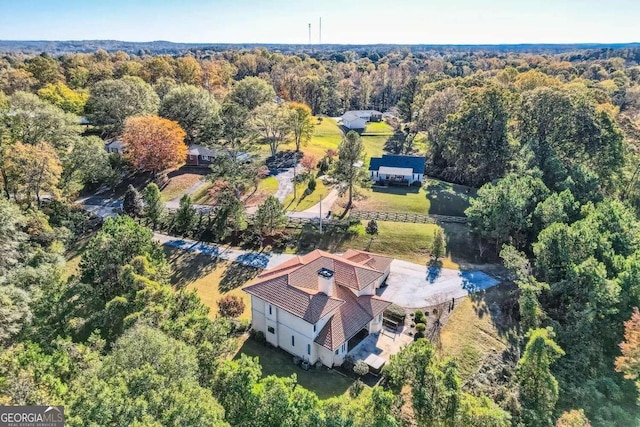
x,y
307,306
394,161
354,315
377,262
199,150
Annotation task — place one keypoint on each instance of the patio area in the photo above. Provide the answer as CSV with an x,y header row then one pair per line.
x,y
375,349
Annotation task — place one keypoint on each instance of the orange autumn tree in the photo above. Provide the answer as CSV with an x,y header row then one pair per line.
x,y
629,362
153,143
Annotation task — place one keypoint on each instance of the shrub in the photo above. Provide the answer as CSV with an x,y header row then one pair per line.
x,y
356,388
258,336
311,186
323,165
309,162
231,306
360,368
419,316
421,327
413,325
418,335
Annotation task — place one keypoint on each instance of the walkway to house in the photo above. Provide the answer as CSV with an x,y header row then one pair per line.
x,y
285,183
175,202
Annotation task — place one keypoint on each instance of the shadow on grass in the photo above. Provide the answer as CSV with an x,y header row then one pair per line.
x,y
332,239
188,266
501,303
235,276
325,382
448,199
400,190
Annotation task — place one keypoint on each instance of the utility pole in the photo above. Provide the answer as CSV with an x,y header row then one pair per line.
x,y
309,32
320,216
320,32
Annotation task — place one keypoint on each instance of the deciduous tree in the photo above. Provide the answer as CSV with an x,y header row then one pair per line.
x,y
194,109
111,102
301,123
251,92
34,169
153,143
347,170
272,122
60,95
629,362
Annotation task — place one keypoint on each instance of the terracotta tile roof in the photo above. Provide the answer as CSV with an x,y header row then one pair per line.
x,y
354,315
309,307
293,287
375,261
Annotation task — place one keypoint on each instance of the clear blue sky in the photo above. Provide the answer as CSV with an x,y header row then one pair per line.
x,y
343,21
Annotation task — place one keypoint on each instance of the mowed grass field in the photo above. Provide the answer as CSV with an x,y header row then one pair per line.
x,y
305,201
210,277
473,332
435,198
179,184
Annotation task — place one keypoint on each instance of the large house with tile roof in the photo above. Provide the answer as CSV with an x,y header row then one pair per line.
x,y
312,305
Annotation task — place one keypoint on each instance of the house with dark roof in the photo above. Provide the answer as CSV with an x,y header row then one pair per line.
x,y
394,169
197,155
313,305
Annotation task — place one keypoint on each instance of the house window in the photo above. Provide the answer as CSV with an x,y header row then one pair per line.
x,y
314,328
293,341
271,330
309,349
337,350
270,310
343,347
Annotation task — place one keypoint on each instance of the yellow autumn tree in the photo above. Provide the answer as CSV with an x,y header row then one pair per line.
x,y
153,143
33,170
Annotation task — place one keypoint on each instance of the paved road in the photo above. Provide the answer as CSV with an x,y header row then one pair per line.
x,y
416,286
261,260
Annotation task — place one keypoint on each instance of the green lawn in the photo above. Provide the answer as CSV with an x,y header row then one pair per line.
x,y
179,184
447,198
391,199
374,145
435,198
210,277
268,185
378,128
472,333
324,382
326,135
304,201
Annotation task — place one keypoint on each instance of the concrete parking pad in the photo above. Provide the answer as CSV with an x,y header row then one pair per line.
x,y
415,286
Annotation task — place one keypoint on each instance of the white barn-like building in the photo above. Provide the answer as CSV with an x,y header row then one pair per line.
x,y
357,119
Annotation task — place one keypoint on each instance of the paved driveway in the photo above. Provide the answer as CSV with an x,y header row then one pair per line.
x,y
416,286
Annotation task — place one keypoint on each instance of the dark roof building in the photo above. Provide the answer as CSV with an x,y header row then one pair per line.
x,y
416,163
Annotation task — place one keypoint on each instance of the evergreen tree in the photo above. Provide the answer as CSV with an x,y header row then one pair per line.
x,y
153,205
185,215
270,216
538,386
132,204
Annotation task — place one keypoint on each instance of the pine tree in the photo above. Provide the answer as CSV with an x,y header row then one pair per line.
x,y
439,249
185,215
132,204
153,207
